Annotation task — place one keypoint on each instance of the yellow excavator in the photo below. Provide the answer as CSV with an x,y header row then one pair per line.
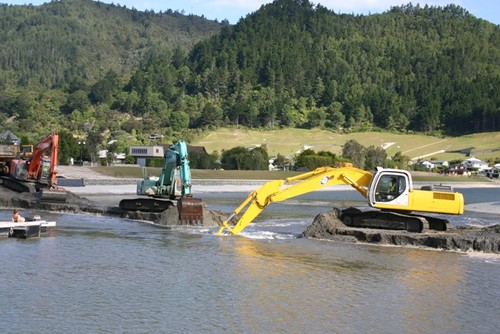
x,y
389,190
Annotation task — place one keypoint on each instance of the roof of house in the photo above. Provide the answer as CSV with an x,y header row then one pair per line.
x,y
197,149
9,134
474,160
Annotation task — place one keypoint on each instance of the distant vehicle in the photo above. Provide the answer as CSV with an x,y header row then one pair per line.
x,y
493,173
155,136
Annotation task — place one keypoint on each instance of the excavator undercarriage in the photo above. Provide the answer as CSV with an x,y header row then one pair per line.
x,y
44,194
18,186
145,204
190,209
391,220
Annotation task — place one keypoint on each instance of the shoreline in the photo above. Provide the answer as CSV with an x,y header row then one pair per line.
x,y
228,186
128,186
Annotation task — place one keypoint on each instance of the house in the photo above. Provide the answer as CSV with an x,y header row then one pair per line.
x,y
9,136
141,153
197,149
427,164
431,164
474,164
440,163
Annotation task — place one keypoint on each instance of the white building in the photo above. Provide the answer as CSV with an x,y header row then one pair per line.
x,y
475,164
427,164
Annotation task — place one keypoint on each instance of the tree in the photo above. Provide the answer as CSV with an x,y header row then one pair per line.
x,y
240,158
281,162
198,160
78,100
210,116
68,147
310,160
259,159
92,145
354,151
399,160
103,90
374,157
234,158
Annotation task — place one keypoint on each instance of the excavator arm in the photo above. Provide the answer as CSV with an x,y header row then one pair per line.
x,y
36,162
273,191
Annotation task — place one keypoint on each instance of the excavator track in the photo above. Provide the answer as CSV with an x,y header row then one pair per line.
x,y
145,204
18,186
390,220
45,195
190,209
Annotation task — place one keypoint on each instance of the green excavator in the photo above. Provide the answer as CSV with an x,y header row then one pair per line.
x,y
172,187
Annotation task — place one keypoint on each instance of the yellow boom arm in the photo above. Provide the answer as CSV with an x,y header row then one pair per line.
x,y
272,191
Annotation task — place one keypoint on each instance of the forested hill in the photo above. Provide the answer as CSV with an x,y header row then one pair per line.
x,y
72,66
60,41
412,68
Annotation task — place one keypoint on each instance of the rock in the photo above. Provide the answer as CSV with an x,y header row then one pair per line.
x,y
327,226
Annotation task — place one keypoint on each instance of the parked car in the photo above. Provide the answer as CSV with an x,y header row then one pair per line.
x,y
492,173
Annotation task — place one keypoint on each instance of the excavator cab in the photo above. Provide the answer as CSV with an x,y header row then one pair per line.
x,y
392,189
390,186
45,172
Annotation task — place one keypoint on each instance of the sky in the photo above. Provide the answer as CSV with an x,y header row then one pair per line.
x,y
233,10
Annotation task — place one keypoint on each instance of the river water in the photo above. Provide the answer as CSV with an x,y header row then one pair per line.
x,y
109,275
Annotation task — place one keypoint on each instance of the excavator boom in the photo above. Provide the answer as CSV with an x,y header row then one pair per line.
x,y
304,183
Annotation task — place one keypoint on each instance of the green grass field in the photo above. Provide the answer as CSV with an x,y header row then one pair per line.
x,y
291,141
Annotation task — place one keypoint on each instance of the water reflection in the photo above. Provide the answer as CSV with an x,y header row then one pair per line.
x,y
105,274
432,286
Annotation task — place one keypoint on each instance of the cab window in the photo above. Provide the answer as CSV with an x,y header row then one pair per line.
x,y
390,187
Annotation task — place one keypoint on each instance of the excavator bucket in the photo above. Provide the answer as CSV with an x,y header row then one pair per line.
x,y
53,195
190,211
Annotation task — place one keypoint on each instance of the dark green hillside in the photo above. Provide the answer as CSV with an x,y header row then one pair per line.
x,y
62,41
103,72
411,68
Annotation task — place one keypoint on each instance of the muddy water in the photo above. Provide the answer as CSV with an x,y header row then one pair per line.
x,y
108,275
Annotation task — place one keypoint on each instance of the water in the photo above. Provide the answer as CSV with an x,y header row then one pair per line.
x,y
109,275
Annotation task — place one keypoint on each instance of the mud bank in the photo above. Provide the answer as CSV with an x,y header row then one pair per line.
x,y
328,226
77,204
